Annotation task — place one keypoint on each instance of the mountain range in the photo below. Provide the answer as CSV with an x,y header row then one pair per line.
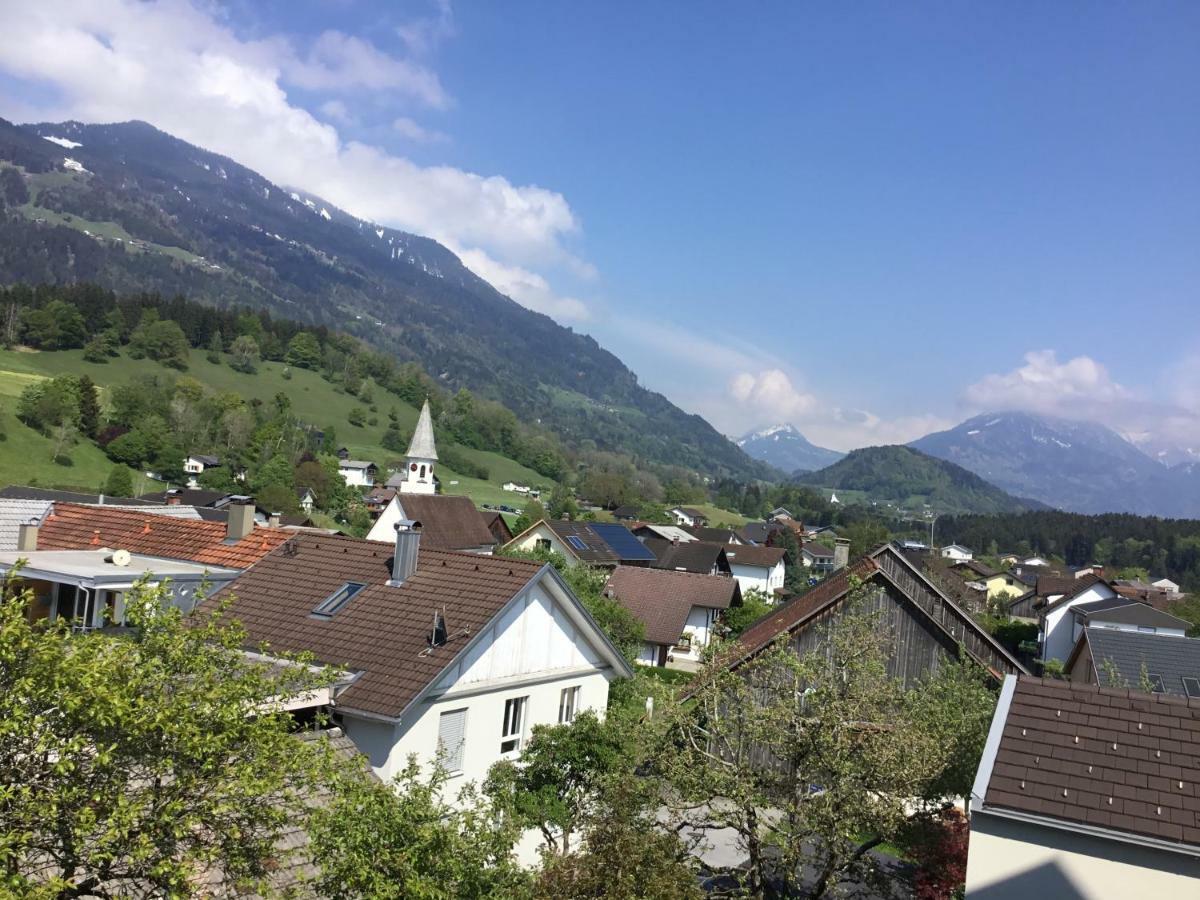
x,y
134,209
904,480
785,448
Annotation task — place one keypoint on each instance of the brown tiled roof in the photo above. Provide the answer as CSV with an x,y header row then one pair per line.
x,y
73,527
661,600
1105,757
1074,588
751,555
1049,585
447,523
594,549
383,631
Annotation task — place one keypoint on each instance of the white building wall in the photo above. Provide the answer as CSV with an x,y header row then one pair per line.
x,y
529,541
648,654
1058,638
1009,860
758,578
356,477
384,528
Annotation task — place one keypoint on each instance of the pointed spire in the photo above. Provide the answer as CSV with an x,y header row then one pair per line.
x,y
422,445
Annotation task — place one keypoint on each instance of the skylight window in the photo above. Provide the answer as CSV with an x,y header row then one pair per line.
x,y
1156,684
576,541
1191,687
339,598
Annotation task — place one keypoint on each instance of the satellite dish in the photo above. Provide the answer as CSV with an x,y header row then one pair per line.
x,y
121,558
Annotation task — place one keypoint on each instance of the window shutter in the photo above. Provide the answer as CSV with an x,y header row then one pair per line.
x,y
452,735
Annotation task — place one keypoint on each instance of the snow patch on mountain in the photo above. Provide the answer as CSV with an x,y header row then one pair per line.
x,y
62,141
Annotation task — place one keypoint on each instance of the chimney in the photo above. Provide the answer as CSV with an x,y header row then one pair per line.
x,y
241,520
408,546
27,536
275,519
841,554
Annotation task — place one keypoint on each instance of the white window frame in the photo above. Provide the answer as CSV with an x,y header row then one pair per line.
x,y
444,756
512,729
568,704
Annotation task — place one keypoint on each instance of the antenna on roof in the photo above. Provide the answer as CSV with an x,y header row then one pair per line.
x,y
438,636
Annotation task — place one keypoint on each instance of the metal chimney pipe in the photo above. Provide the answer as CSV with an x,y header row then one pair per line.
x,y
408,547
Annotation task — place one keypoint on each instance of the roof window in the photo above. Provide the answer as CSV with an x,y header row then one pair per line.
x,y
1156,684
335,601
576,541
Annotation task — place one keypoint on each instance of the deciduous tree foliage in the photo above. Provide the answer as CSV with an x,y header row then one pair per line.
x,y
136,766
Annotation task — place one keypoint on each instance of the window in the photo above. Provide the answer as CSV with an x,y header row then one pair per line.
x,y
452,736
576,541
1146,629
1156,684
1191,687
543,543
514,724
568,704
335,601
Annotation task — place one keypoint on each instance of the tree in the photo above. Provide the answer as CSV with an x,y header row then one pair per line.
x,y
404,840
357,416
244,354
626,855
754,606
163,341
94,350
89,407
137,765
558,780
813,759
303,351
119,482
531,513
561,503
275,472
215,348
393,439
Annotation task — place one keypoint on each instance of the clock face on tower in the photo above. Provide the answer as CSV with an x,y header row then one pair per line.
x,y
413,467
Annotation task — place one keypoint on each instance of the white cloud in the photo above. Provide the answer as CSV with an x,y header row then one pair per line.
x,y
771,395
527,288
337,111
178,67
422,35
1076,388
411,130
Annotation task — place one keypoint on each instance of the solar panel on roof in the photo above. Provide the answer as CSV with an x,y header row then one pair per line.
x,y
622,541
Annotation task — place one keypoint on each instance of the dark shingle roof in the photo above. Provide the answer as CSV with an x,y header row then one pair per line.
x,y
661,600
712,535
816,550
20,492
1124,611
1174,658
748,555
447,523
188,497
1109,758
588,546
383,631
698,557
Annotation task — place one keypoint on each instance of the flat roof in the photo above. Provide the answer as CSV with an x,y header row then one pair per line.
x,y
97,566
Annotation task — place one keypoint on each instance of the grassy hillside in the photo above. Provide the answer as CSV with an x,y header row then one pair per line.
x,y
25,454
909,480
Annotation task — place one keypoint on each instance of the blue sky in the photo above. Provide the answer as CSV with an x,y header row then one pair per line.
x,y
871,221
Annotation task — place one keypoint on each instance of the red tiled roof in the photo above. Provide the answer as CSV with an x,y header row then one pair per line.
x,y
1106,757
74,527
661,599
383,632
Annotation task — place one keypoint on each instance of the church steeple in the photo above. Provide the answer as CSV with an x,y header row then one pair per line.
x,y
422,454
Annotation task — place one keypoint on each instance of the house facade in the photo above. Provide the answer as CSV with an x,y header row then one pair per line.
x,y
1076,797
757,568
687,517
447,522
451,656
957,553
358,472
1058,629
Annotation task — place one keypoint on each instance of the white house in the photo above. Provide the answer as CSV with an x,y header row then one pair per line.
x,y
687,517
421,458
680,611
1166,585
513,487
447,522
817,557
358,472
957,553
757,568
1058,630
194,466
306,498
1035,561
1054,812
452,655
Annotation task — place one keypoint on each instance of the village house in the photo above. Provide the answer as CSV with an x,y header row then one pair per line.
x,y
957,552
1165,658
697,557
306,498
358,472
448,655
687,517
1057,626
584,543
81,560
496,525
196,464
681,612
817,557
1085,792
644,531
714,535
447,523
626,513
757,568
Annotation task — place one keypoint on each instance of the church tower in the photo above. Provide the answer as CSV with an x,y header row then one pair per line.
x,y
422,454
